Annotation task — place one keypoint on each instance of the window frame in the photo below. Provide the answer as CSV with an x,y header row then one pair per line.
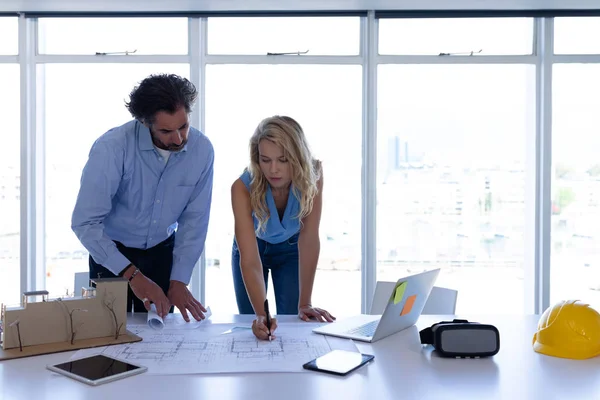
x,y
537,268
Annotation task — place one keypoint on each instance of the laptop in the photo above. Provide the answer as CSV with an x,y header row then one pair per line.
x,y
403,309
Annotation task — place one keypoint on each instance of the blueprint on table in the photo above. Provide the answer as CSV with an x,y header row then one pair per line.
x,y
216,348
174,320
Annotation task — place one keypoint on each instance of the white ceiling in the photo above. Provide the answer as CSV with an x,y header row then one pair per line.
x,y
284,5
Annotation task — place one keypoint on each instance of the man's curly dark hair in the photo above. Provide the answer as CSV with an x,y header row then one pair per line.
x,y
161,92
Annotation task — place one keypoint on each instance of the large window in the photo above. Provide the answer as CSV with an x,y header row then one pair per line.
x,y
575,251
450,178
10,184
113,36
9,32
326,100
315,36
82,101
451,140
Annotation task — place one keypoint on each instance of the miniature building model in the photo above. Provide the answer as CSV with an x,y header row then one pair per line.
x,y
100,312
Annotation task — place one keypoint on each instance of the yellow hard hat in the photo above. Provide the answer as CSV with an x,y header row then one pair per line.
x,y
568,329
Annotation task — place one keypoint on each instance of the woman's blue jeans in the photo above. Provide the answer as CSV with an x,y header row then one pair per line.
x,y
282,260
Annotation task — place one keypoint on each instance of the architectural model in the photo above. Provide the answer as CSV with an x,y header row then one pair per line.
x,y
100,312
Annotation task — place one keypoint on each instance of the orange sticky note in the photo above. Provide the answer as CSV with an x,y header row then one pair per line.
x,y
410,301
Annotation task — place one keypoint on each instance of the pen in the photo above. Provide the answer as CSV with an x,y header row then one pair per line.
x,y
268,318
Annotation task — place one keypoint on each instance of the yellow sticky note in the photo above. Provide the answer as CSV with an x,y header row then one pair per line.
x,y
399,292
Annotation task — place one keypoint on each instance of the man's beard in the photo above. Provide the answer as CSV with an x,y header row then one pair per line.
x,y
171,147
175,147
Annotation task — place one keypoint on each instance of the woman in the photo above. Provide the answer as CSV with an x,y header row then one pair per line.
x,y
277,210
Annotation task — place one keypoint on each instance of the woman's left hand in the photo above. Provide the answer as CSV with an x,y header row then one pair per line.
x,y
307,312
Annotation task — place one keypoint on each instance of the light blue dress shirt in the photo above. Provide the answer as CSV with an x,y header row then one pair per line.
x,y
130,195
277,230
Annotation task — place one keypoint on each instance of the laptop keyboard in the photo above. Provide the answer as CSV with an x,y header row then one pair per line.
x,y
367,329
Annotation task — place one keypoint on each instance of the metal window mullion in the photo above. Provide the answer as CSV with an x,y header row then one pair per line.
x,y
112,59
408,59
546,165
32,229
201,69
9,59
576,58
196,45
286,59
543,165
369,154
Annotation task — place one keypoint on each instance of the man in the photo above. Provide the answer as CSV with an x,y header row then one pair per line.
x,y
143,207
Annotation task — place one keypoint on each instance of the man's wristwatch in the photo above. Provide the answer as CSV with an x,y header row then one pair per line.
x,y
124,271
137,270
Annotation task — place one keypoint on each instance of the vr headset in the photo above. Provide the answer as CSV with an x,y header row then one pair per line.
x,y
462,339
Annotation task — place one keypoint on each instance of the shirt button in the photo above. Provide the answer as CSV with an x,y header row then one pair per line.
x,y
158,201
149,238
154,221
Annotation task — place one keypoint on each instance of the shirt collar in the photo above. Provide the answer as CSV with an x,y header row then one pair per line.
x,y
145,139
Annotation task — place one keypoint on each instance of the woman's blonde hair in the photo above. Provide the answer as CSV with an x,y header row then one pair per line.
x,y
304,169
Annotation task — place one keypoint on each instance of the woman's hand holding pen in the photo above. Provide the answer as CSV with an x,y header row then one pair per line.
x,y
259,327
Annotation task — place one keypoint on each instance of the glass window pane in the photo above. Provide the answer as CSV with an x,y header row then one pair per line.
x,y
10,186
9,32
576,35
326,101
451,178
432,36
74,124
107,35
575,251
318,35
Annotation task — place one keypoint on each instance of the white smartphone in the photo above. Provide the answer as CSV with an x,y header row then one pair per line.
x,y
98,369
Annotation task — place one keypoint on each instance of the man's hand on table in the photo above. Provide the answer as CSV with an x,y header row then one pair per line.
x,y
180,296
148,291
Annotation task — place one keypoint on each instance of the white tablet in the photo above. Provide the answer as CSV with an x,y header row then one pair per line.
x,y
98,369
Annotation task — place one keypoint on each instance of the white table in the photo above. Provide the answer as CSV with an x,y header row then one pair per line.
x,y
402,369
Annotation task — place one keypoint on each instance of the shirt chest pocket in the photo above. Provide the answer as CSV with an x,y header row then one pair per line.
x,y
179,198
